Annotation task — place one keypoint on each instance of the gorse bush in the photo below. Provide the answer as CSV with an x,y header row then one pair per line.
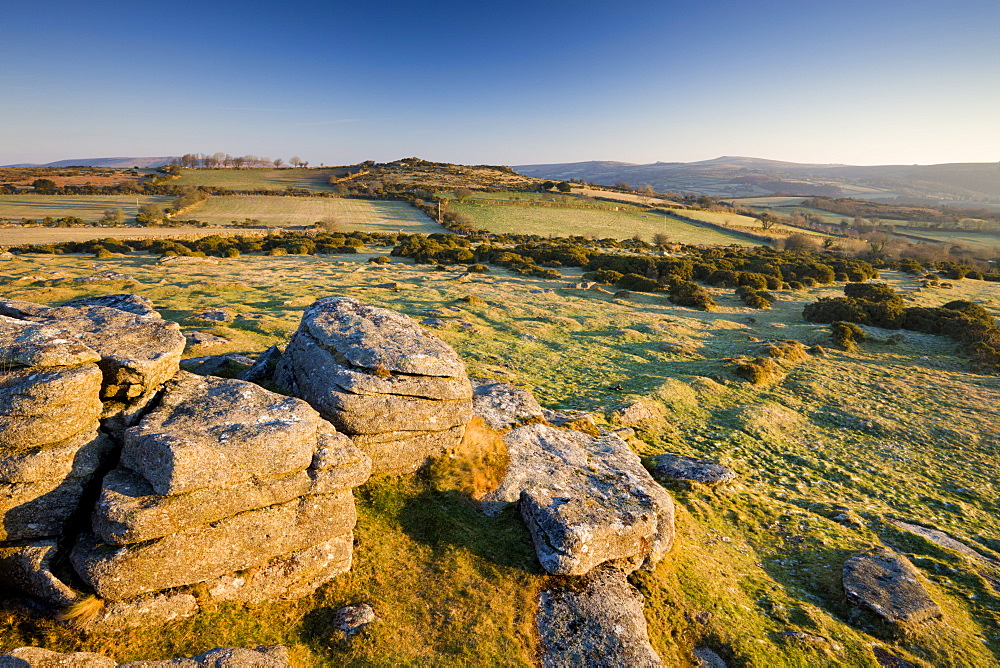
x,y
846,335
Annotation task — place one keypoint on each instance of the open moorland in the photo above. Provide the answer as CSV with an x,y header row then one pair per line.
x,y
828,457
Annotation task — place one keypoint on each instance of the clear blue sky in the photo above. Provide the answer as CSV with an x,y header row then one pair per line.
x,y
506,82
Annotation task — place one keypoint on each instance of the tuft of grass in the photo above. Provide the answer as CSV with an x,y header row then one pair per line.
x,y
476,466
83,613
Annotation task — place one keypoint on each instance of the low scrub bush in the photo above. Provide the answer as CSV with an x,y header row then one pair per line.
x,y
846,335
688,293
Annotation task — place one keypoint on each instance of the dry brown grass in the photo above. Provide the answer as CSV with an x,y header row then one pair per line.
x,y
476,466
83,613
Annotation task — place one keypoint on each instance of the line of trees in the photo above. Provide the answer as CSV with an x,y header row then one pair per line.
x,y
226,161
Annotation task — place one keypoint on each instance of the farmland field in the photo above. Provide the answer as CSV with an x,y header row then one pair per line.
x,y
88,207
353,214
598,223
252,179
17,235
826,458
973,240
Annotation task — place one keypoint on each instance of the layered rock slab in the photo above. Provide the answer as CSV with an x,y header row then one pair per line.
x,y
223,476
377,375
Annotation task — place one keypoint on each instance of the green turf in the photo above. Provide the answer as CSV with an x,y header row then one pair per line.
x,y
253,179
88,207
351,214
601,224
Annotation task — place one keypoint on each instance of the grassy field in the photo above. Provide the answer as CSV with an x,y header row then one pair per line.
x,y
598,223
88,207
16,236
353,214
986,243
252,179
825,457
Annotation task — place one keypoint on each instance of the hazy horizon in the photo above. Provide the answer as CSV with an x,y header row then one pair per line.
x,y
517,84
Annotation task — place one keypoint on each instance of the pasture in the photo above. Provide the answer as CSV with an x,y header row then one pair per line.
x,y
19,235
88,207
825,458
351,214
601,224
255,179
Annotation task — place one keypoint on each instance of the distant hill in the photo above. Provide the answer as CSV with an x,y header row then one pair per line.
x,y
123,163
956,184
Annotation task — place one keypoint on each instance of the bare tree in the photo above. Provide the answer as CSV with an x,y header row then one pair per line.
x,y
462,194
330,224
296,161
277,162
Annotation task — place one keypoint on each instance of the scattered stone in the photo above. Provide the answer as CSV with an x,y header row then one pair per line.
x,y
542,291
7,255
529,337
186,259
354,618
213,315
888,660
583,285
106,275
265,656
206,340
596,621
598,288
38,657
224,366
624,433
671,467
634,413
378,376
887,584
263,368
503,405
942,539
136,304
585,500
392,285
707,658
437,323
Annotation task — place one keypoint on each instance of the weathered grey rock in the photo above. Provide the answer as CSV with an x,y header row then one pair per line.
x,y
888,660
888,585
316,368
136,304
42,406
205,552
634,413
596,620
130,511
289,576
39,657
138,353
267,656
29,569
944,540
503,405
23,310
670,467
207,432
205,340
213,315
224,366
149,610
35,345
586,500
105,275
78,457
707,658
263,367
398,452
380,413
378,339
40,509
353,619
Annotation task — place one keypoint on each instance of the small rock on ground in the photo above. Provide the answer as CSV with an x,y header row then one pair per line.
x,y
707,658
678,467
354,618
888,585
